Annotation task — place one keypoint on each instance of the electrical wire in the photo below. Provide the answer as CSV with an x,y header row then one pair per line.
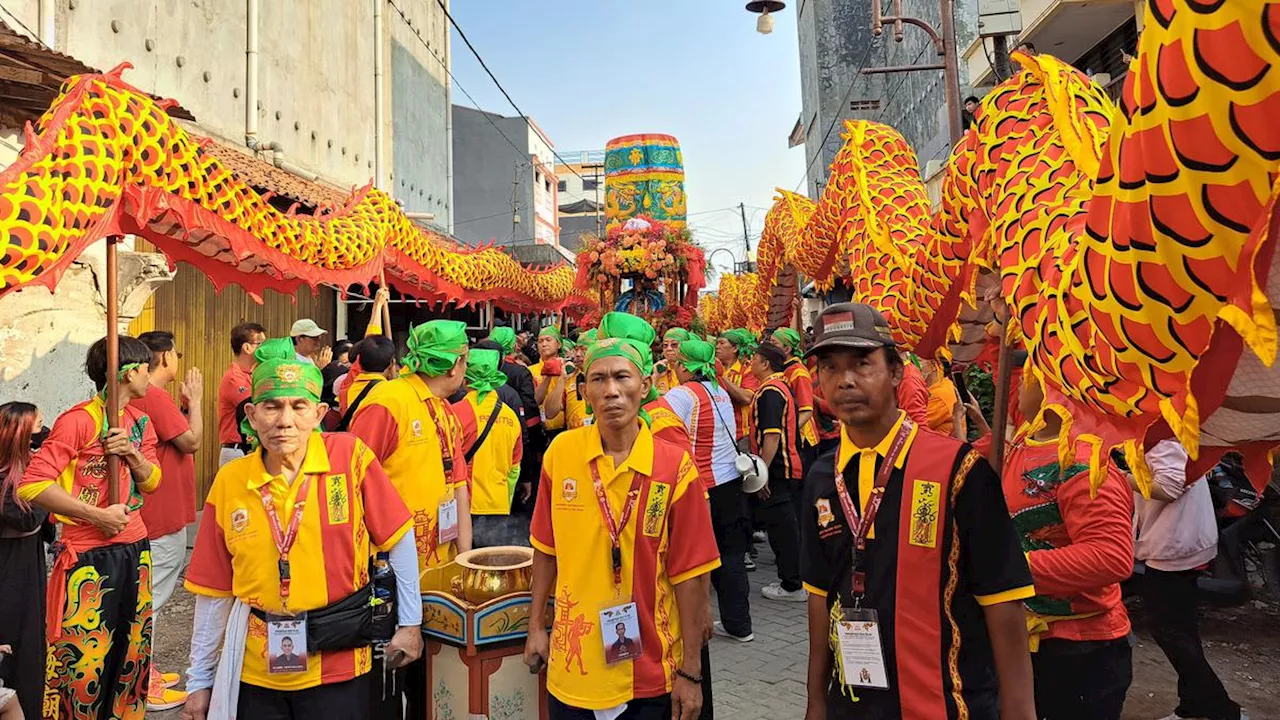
x,y
503,90
835,119
893,96
23,25
507,213
524,152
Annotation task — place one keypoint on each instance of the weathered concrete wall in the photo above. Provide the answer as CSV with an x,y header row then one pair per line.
x,y
44,336
419,115
836,44
485,168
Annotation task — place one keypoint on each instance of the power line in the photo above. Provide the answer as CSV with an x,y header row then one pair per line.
x,y
844,102
488,217
524,152
494,78
23,25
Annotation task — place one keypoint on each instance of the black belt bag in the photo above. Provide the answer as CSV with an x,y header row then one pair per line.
x,y
363,618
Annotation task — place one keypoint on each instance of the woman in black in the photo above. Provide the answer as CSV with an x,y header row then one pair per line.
x,y
22,560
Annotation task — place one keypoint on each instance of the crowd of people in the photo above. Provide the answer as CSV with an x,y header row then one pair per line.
x,y
935,586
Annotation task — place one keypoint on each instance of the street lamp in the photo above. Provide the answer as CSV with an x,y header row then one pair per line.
x,y
732,260
765,8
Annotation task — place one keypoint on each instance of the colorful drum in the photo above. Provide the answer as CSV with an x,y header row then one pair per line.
x,y
644,176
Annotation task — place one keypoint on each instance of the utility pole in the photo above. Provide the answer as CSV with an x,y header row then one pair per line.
x,y
746,241
944,42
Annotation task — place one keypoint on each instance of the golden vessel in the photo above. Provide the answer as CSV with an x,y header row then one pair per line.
x,y
489,573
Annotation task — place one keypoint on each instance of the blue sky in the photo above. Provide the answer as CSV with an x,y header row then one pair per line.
x,y
590,70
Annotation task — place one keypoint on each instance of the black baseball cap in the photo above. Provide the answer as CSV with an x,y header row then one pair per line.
x,y
850,325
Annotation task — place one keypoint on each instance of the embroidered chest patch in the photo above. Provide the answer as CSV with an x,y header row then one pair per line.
x,y
655,509
924,513
337,498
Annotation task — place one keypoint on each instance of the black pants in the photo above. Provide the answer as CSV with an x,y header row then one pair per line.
x,y
733,537
779,514
658,708
1169,599
1077,680
22,598
416,692
335,701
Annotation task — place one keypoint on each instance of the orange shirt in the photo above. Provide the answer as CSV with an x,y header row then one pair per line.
x,y
234,389
666,541
350,511
942,404
398,421
913,395
740,375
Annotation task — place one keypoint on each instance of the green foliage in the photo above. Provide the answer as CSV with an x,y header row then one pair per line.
x,y
981,386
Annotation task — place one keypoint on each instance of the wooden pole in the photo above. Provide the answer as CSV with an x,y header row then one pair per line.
x,y
1004,372
113,366
386,309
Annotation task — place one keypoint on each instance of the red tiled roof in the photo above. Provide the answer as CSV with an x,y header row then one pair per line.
x,y
262,175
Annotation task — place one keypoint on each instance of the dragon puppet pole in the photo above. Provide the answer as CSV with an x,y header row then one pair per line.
x,y
386,308
113,366
1000,415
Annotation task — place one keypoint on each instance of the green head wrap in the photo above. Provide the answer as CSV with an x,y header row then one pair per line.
x,y
435,346
676,333
741,339
280,374
482,371
789,340
589,337
567,345
506,337
635,332
699,357
552,330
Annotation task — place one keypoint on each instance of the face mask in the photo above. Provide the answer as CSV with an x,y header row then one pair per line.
x,y
38,438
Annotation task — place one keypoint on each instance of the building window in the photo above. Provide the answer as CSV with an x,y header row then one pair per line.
x,y
590,184
546,184
562,186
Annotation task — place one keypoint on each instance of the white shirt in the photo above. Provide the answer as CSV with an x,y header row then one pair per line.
x,y
305,359
683,403
1178,535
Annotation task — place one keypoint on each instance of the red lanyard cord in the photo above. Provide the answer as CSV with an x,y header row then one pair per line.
x,y
861,526
284,539
614,525
446,450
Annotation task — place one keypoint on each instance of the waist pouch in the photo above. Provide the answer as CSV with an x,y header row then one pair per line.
x,y
364,617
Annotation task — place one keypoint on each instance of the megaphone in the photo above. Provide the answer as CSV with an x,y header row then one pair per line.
x,y
755,474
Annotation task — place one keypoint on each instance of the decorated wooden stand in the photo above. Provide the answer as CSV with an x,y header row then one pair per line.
x,y
475,632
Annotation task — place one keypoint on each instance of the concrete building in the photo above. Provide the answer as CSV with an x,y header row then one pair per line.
x,y
1096,37
581,196
505,180
836,45
303,98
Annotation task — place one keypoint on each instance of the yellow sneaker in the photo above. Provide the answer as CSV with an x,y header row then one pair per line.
x,y
165,699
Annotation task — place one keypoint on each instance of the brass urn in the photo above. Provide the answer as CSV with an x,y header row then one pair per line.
x,y
493,572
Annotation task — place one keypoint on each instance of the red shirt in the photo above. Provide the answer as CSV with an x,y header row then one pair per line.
x,y
235,388
173,505
913,394
1079,548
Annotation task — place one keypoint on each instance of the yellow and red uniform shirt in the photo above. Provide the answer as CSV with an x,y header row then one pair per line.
x,y
356,385
801,383
575,408
495,466
72,458
740,374
666,381
351,511
557,385
398,421
667,540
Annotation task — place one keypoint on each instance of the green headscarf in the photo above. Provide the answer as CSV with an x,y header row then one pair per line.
x,y
624,348
589,337
741,339
635,332
677,333
552,330
506,337
435,346
699,357
280,374
567,345
482,372
789,340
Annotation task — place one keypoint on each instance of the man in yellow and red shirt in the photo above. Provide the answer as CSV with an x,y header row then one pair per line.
x,y
234,390
288,532
493,455
98,611
417,437
671,339
734,350
801,384
623,532
549,380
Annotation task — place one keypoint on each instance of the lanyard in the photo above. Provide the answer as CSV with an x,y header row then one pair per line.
x,y
285,538
861,526
446,450
615,525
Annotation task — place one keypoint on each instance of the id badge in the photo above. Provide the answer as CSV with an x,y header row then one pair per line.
x,y
447,520
861,652
620,633
286,644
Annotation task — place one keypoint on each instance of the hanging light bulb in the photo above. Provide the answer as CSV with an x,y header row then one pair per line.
x,y
764,24
765,8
